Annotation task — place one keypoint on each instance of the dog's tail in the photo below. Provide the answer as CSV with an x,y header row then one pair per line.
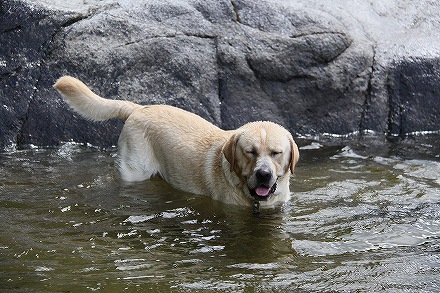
x,y
90,105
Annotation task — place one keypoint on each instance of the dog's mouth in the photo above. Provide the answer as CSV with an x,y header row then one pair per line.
x,y
263,192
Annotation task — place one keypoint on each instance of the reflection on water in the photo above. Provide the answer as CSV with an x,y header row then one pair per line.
x,y
361,218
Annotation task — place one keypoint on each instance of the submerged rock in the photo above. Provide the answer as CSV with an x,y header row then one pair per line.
x,y
313,66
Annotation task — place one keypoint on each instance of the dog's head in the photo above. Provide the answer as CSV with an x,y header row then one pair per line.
x,y
259,153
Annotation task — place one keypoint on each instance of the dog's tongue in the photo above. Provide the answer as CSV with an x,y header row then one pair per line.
x,y
262,191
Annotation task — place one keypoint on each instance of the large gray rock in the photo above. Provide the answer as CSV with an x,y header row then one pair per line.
x,y
313,66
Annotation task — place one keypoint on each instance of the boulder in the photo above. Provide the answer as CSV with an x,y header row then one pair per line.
x,y
315,67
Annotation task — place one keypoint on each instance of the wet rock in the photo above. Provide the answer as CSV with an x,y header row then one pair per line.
x,y
314,67
414,89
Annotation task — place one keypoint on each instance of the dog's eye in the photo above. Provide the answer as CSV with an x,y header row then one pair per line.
x,y
276,153
252,152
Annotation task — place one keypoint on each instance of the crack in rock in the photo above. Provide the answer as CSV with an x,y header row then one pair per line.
x,y
235,11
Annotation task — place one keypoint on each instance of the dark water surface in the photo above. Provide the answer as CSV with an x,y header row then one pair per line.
x,y
364,218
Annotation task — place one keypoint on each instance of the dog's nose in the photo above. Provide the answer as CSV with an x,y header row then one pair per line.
x,y
263,175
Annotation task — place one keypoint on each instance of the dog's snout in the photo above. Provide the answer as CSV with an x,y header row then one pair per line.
x,y
264,175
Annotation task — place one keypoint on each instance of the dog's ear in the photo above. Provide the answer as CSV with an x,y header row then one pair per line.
x,y
294,154
229,150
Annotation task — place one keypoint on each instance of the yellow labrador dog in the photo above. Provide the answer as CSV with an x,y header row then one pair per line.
x,y
246,166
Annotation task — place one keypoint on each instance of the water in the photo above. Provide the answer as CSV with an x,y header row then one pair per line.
x,y
362,218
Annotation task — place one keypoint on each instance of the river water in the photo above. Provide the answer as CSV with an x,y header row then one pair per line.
x,y
363,218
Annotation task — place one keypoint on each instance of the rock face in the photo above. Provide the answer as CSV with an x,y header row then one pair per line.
x,y
312,66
